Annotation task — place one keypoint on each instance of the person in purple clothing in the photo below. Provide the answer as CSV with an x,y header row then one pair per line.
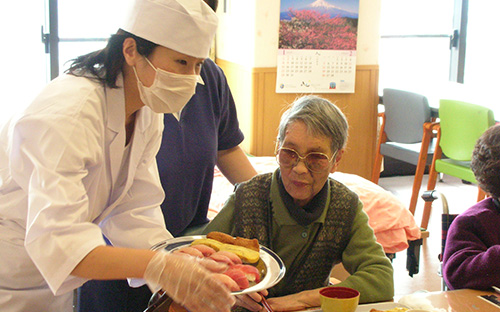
x,y
472,250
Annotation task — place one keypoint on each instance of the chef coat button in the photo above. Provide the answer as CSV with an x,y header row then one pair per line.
x,y
304,235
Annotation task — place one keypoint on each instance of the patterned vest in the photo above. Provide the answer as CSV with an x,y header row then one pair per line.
x,y
252,219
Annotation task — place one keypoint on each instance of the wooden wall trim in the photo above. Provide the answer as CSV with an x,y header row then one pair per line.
x,y
224,64
260,108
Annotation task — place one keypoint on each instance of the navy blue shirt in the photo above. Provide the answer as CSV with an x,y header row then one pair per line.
x,y
188,152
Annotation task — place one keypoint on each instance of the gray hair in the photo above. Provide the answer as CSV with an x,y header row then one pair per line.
x,y
320,116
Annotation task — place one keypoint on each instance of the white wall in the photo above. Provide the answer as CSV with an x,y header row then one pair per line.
x,y
248,32
235,39
368,32
23,59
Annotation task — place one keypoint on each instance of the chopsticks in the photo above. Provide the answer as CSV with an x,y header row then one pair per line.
x,y
265,304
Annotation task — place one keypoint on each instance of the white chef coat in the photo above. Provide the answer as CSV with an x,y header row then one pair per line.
x,y
60,189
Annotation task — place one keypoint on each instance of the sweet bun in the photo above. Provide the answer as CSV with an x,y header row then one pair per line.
x,y
245,254
212,243
239,241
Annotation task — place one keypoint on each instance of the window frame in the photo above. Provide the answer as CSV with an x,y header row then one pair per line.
x,y
457,40
52,40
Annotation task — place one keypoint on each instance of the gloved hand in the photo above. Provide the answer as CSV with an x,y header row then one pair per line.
x,y
187,282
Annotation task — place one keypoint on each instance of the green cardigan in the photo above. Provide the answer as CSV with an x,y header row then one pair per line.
x,y
371,271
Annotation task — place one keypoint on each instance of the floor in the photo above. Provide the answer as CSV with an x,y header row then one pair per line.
x,y
460,196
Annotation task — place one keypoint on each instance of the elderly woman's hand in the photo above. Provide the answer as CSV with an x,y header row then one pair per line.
x,y
298,301
250,301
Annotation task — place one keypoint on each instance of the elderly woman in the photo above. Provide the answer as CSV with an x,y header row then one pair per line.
x,y
472,250
310,220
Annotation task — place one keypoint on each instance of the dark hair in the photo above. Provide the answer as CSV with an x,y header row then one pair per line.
x,y
105,65
213,4
486,161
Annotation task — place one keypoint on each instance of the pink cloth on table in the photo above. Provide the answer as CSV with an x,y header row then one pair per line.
x,y
390,219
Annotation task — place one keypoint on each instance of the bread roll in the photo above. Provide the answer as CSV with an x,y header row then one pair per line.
x,y
239,241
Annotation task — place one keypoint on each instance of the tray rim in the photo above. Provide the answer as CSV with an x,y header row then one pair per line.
x,y
180,241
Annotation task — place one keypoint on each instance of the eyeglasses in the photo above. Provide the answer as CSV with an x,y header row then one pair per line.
x,y
314,161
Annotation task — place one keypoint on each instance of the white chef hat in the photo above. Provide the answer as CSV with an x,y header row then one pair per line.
x,y
186,26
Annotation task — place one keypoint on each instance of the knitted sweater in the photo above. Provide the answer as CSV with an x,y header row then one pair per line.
x,y
472,250
252,221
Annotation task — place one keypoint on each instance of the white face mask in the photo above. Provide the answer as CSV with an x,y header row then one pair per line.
x,y
169,92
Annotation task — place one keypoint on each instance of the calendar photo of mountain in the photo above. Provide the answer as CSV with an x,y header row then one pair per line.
x,y
318,24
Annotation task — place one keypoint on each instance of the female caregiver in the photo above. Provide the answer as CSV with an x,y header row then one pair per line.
x,y
79,163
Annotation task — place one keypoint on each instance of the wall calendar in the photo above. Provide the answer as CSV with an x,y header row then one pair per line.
x,y
320,71
317,46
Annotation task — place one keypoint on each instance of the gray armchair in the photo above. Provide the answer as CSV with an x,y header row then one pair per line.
x,y
406,123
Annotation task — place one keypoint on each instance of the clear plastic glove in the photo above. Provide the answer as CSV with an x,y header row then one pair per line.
x,y
188,283
209,264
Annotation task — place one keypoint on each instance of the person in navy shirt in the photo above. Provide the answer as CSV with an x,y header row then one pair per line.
x,y
207,134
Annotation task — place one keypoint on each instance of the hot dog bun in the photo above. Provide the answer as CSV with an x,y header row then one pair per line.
x,y
246,255
239,241
215,245
248,250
